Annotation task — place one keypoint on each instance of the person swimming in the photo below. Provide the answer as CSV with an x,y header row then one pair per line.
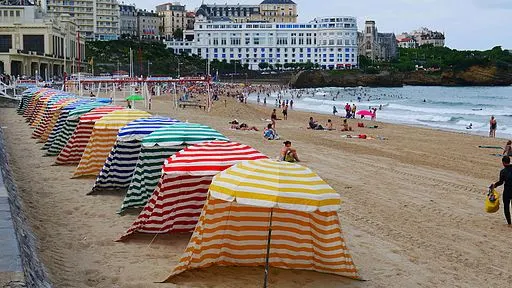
x,y
470,126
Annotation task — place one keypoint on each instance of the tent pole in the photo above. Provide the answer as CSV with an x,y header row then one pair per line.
x,y
268,248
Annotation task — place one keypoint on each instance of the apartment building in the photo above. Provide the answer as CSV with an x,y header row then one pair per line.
x,y
96,19
174,16
128,20
148,25
282,11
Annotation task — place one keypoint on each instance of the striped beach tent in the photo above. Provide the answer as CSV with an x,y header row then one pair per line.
x,y
103,138
50,115
269,213
75,147
58,138
41,107
33,102
176,203
26,97
156,148
117,171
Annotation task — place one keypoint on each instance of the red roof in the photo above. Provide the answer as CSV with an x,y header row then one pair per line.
x,y
405,40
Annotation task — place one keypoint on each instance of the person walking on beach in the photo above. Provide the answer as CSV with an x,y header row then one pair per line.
x,y
354,110
505,178
347,110
291,104
285,112
334,111
493,125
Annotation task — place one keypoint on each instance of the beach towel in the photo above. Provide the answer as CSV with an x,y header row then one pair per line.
x,y
489,147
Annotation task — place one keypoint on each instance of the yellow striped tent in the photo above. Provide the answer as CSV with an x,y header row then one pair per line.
x,y
104,135
268,213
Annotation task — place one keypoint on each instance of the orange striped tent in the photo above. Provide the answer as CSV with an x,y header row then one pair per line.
x,y
40,105
33,102
268,213
72,152
103,138
49,118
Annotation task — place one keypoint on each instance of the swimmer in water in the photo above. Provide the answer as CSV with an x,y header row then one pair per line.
x,y
470,126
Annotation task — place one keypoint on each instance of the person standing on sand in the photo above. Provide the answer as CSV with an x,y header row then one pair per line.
x,y
273,118
493,125
505,178
285,112
334,110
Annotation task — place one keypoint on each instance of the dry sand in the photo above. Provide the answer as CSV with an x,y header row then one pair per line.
x,y
412,212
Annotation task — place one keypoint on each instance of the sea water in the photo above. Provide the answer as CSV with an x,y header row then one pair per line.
x,y
447,108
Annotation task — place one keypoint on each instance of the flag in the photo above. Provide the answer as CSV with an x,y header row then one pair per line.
x,y
91,62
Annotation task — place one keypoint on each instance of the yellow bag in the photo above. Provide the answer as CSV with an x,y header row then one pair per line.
x,y
492,206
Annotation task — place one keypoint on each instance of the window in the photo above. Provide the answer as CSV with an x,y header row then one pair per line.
x,y
5,43
33,43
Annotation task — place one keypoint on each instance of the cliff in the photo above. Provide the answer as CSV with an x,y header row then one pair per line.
x,y
473,76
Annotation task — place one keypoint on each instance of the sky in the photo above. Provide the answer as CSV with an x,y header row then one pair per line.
x,y
467,24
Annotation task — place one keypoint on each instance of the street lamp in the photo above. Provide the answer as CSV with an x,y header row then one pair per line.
x,y
179,65
149,63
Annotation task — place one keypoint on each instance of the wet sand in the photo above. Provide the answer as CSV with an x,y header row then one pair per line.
x,y
413,208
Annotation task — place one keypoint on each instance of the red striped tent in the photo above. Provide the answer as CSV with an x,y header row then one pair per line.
x,y
176,203
49,118
272,214
72,152
103,138
39,107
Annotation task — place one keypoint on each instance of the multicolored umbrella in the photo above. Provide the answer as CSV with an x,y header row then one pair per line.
x,y
135,97
118,169
102,140
268,213
176,203
156,148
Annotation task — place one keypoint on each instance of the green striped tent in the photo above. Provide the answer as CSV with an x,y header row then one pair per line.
x,y
156,148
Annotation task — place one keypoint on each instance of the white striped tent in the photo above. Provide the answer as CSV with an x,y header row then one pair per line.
x,y
156,148
176,203
34,101
259,210
102,140
118,169
75,147
61,133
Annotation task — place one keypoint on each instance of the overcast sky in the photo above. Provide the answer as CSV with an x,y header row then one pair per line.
x,y
468,24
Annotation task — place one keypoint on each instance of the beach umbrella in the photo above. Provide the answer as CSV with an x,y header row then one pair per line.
x,y
176,203
118,169
271,214
135,97
65,127
75,147
102,140
365,113
156,148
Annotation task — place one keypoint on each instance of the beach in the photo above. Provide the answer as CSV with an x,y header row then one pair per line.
x,y
412,212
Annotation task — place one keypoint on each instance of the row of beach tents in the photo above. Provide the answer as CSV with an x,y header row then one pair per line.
x,y
242,208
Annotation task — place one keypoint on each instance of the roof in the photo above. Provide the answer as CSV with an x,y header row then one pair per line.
x,y
277,2
405,40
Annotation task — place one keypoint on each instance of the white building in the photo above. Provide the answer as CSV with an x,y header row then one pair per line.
x,y
330,42
31,43
96,19
407,43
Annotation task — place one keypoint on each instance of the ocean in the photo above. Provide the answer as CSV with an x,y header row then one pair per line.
x,y
447,108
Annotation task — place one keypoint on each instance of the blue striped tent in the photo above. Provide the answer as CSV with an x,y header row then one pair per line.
x,y
118,169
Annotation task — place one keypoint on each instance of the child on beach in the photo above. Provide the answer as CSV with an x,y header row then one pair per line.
x,y
288,153
345,127
508,149
328,126
270,134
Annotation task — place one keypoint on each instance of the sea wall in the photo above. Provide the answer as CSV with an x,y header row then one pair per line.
x,y
34,272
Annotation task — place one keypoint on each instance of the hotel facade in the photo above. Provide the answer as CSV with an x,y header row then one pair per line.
x,y
330,42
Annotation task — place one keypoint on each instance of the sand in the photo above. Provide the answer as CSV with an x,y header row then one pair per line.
x,y
412,213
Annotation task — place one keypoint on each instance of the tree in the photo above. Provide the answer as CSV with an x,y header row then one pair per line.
x,y
177,34
263,65
278,66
